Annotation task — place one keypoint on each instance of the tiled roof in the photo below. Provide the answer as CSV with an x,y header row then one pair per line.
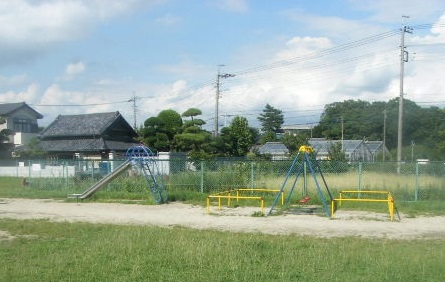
x,y
82,125
7,109
273,148
84,145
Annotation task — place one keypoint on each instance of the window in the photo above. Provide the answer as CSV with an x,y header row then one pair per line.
x,y
24,125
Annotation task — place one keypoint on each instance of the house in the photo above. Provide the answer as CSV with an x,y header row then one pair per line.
x,y
277,150
355,150
21,119
87,136
297,129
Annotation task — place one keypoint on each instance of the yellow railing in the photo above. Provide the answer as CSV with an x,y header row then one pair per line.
x,y
388,199
237,195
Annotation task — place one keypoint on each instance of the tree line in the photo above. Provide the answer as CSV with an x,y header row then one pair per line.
x,y
423,131
423,128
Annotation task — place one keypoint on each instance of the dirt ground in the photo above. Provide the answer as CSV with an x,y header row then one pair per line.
x,y
345,223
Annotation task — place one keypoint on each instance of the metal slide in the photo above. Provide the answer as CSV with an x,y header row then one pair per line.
x,y
104,181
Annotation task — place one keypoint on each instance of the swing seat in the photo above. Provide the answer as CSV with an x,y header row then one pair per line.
x,y
305,200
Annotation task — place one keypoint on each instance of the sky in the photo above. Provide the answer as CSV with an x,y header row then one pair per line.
x,y
140,57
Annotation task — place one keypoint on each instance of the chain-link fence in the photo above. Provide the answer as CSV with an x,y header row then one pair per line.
x,y
406,181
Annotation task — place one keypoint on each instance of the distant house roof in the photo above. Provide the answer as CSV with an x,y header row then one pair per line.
x,y
86,125
353,149
322,145
10,108
88,133
273,148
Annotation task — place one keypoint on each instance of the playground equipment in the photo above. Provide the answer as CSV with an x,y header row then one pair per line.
x,y
238,194
141,157
371,196
304,161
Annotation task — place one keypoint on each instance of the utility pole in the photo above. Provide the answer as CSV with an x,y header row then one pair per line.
x,y
134,109
384,134
403,59
342,134
218,84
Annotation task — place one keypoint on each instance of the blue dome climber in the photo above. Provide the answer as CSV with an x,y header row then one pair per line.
x,y
144,158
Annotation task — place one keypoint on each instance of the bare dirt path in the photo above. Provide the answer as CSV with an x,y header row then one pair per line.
x,y
346,223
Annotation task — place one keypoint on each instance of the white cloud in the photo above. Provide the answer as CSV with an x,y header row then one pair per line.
x,y
301,46
54,96
30,95
73,70
30,28
179,86
436,36
42,23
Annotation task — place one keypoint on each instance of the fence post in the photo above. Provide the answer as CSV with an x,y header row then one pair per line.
x,y
359,176
416,188
202,177
251,175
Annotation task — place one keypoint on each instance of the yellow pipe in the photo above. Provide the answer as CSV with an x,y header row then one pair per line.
x,y
208,205
262,206
389,200
362,200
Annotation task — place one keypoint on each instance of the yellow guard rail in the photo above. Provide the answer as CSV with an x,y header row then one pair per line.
x,y
237,195
388,199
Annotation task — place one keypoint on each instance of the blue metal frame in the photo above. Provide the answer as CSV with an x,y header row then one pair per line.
x,y
314,168
143,157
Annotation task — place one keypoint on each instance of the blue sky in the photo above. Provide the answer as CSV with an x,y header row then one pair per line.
x,y
86,56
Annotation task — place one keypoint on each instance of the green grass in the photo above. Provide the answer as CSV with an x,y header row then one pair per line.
x,y
46,251
88,252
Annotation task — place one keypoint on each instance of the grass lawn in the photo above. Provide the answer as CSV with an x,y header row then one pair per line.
x,y
45,251
32,250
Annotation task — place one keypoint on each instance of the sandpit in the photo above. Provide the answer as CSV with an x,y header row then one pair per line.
x,y
346,223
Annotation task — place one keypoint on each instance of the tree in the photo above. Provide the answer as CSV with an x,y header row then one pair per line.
x,y
32,149
271,120
4,133
192,112
172,122
293,142
158,132
4,137
193,137
336,153
237,138
360,119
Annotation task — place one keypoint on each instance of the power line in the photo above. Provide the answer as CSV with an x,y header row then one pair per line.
x,y
77,105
